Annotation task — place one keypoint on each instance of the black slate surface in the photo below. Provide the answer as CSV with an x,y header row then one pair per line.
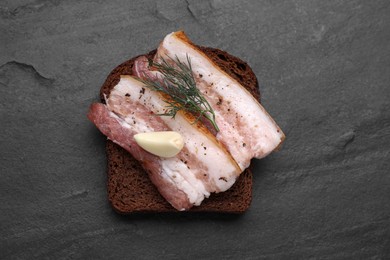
x,y
324,72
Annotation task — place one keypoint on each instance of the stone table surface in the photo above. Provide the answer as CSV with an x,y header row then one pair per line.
x,y
324,72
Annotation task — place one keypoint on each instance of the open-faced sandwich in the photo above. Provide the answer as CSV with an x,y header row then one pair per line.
x,y
183,123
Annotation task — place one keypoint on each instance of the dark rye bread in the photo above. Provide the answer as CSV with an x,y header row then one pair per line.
x,y
129,187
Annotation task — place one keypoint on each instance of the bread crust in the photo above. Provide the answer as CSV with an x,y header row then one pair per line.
x,y
129,188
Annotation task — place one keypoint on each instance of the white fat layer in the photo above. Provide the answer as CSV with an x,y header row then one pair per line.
x,y
141,126
263,134
184,180
221,168
230,136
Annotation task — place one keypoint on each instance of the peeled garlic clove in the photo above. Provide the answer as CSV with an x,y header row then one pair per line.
x,y
164,144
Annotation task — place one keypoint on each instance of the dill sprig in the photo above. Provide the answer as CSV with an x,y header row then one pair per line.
x,y
178,84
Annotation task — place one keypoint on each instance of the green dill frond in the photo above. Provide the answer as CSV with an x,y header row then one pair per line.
x,y
178,83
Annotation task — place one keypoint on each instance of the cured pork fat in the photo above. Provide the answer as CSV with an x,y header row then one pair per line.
x,y
192,174
246,129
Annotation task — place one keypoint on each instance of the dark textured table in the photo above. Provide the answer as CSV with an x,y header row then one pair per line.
x,y
324,72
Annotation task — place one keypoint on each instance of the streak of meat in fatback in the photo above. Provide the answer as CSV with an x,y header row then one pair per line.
x,y
247,130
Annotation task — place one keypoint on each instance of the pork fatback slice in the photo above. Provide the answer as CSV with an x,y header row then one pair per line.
x,y
246,128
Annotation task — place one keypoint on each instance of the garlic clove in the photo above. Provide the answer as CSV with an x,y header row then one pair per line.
x,y
164,144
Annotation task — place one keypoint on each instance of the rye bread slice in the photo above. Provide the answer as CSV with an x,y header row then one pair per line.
x,y
129,187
